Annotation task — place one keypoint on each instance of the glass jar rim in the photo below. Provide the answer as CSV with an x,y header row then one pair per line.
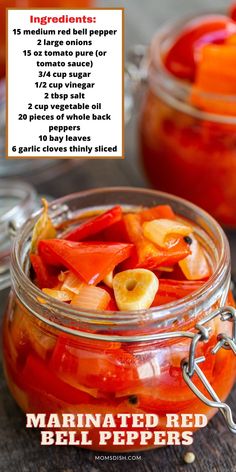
x,y
59,314
173,89
23,192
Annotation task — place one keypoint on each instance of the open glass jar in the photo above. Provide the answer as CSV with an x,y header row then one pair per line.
x,y
59,359
187,151
18,200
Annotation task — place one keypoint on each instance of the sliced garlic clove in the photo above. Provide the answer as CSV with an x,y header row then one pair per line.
x,y
135,289
195,266
158,230
108,280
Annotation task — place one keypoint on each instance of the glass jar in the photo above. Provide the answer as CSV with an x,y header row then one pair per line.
x,y
18,201
59,359
184,150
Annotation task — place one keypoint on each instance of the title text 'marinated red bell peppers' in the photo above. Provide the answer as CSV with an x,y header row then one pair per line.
x,y
89,260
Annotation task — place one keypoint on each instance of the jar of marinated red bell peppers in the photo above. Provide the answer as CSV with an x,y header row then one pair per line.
x,y
188,118
176,357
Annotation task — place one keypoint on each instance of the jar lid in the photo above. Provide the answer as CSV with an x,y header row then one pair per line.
x,y
18,200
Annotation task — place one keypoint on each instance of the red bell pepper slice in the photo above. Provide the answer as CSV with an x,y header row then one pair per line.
x,y
232,12
115,233
95,366
112,306
149,255
118,232
172,290
180,60
36,374
91,261
95,225
45,277
215,79
159,211
152,400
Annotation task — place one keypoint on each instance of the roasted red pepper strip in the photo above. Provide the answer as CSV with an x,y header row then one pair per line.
x,y
95,366
91,261
95,225
159,211
214,84
148,255
171,290
112,306
180,60
232,12
45,278
115,233
38,375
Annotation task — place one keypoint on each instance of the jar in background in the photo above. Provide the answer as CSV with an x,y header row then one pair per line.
x,y
186,151
30,4
18,201
59,359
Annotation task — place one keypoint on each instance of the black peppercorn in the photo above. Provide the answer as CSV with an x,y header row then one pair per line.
x,y
188,240
133,399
